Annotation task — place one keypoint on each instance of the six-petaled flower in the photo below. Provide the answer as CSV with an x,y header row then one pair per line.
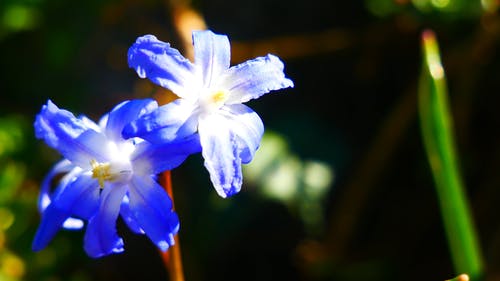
x,y
107,176
211,96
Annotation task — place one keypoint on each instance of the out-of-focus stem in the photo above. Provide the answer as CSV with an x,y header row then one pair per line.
x,y
172,258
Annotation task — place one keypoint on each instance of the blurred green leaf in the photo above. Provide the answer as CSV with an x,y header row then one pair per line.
x,y
299,184
437,133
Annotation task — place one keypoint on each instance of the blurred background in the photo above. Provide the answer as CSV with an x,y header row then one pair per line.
x,y
339,190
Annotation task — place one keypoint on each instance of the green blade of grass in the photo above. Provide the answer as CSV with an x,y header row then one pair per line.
x,y
437,133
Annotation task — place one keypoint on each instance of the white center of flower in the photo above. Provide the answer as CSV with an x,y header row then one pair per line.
x,y
119,169
213,100
110,171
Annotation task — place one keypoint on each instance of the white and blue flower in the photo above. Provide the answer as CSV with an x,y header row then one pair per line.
x,y
107,176
211,96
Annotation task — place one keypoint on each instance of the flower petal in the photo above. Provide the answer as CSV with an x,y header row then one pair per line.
x,y
79,197
248,128
161,64
61,130
101,237
151,159
52,220
254,78
221,153
128,217
212,53
169,122
152,209
45,196
125,113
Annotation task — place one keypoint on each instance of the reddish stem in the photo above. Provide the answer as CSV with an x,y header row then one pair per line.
x,y
172,258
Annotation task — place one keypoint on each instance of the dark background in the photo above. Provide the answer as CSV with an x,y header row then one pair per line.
x,y
352,112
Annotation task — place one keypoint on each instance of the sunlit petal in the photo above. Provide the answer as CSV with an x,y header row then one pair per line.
x,y
254,78
248,128
163,65
221,154
61,130
212,53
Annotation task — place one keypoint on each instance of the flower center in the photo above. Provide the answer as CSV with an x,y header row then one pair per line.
x,y
213,100
110,172
219,96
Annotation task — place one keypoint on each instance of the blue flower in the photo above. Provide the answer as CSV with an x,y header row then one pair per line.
x,y
107,176
211,94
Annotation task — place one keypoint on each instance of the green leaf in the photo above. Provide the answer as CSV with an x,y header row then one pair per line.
x,y
438,136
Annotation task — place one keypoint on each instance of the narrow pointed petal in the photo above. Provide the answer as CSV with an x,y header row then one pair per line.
x,y
254,78
125,113
152,209
221,154
248,128
161,64
151,159
101,237
173,121
89,124
128,217
52,220
212,53
45,198
77,198
61,130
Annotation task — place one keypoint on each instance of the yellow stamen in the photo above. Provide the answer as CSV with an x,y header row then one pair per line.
x,y
101,172
219,96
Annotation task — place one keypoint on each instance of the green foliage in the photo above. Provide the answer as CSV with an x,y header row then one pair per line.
x,y
438,135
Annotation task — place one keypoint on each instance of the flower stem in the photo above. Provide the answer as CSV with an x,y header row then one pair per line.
x,y
172,258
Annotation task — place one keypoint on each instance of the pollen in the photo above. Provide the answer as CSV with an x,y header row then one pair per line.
x,y
219,96
101,172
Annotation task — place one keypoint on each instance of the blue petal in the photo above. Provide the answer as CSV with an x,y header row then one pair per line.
x,y
128,217
52,221
101,237
80,196
152,209
161,64
254,78
45,196
221,153
151,159
212,53
125,113
61,130
170,122
248,128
